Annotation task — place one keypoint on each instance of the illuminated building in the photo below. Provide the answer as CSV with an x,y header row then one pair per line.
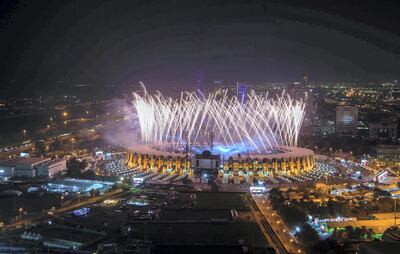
x,y
152,160
281,161
323,127
346,120
31,167
255,136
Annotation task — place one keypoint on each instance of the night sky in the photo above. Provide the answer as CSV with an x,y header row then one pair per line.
x,y
48,43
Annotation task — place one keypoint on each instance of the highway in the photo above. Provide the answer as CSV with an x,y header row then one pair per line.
x,y
266,228
277,242
280,234
258,217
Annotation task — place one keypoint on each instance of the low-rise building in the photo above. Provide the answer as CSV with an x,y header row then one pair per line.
x,y
206,160
51,168
7,170
31,167
383,131
323,127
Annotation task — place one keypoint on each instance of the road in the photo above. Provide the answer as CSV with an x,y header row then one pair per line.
x,y
83,133
258,218
266,228
28,147
66,208
280,234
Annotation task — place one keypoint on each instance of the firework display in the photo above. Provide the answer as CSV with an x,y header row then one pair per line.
x,y
253,127
254,138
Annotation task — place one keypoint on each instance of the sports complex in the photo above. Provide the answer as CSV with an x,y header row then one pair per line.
x,y
249,139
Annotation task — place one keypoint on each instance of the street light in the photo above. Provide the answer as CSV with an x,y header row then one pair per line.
x,y
395,212
20,213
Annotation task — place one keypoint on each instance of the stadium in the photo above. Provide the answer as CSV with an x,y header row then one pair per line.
x,y
252,138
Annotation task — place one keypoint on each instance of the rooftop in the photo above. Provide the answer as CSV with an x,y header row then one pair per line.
x,y
22,160
281,152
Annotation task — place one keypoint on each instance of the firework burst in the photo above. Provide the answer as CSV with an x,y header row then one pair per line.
x,y
256,126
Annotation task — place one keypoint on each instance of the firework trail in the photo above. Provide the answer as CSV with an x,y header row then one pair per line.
x,y
257,126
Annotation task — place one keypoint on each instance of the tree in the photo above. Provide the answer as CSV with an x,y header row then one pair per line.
x,y
385,205
307,234
293,216
381,193
75,167
40,147
94,192
357,233
89,174
337,208
327,246
276,198
55,145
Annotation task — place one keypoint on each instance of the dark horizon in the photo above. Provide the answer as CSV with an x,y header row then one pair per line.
x,y
163,43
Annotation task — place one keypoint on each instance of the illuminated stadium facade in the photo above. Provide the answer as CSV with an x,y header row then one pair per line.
x,y
256,138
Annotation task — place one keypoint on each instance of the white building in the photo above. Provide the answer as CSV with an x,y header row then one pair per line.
x,y
6,170
207,161
31,167
51,168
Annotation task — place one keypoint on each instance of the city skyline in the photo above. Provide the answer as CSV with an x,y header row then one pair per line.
x,y
210,126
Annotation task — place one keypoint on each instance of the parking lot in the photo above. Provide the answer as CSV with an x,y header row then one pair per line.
x,y
118,169
165,214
